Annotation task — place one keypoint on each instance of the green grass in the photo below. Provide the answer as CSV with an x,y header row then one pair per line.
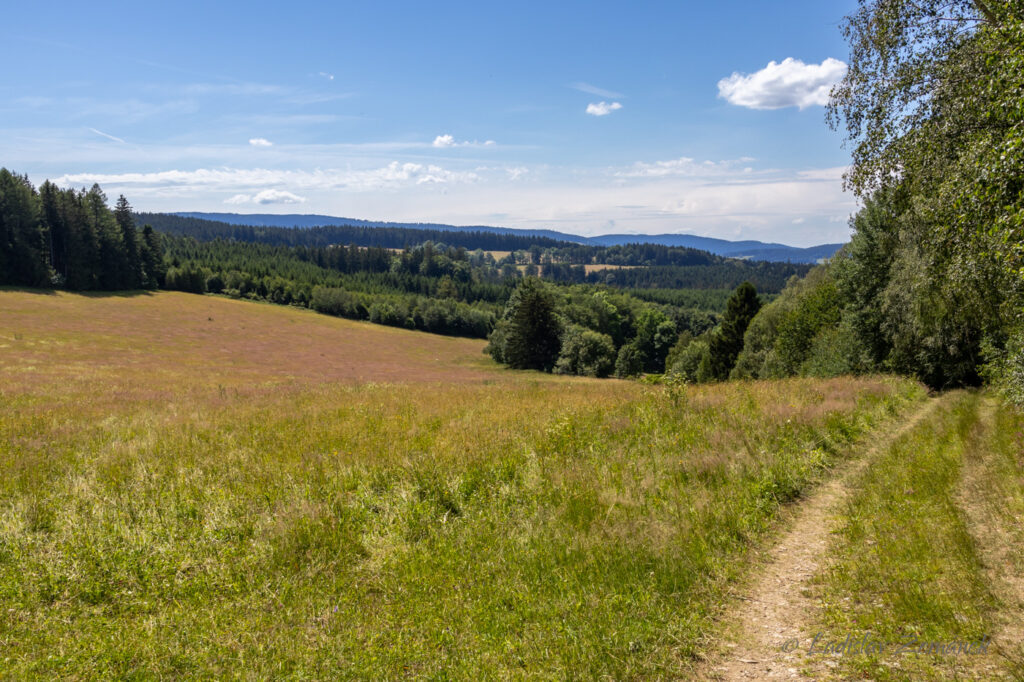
x,y
238,513
907,565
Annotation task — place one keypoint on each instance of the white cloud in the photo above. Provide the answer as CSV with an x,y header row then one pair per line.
x,y
516,172
328,76
266,197
602,108
394,175
594,90
261,142
443,141
790,83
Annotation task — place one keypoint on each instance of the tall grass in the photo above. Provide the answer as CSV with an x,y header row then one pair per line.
x,y
168,519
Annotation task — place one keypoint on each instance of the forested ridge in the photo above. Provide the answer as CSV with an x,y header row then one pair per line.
x,y
328,235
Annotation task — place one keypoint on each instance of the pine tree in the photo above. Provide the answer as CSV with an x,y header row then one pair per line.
x,y
533,332
727,342
151,254
131,273
21,236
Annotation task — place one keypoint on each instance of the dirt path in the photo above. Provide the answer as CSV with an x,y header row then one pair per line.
x,y
777,607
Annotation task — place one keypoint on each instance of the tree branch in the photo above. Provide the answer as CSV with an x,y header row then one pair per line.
x,y
984,9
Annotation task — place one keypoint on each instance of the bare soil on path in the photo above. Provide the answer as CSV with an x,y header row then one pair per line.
x,y
777,609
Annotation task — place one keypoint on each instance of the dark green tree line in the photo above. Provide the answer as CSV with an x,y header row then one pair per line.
x,y
71,238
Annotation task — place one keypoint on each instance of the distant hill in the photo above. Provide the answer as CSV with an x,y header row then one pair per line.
x,y
749,249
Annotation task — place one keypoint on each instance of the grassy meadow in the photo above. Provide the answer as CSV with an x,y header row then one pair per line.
x,y
198,486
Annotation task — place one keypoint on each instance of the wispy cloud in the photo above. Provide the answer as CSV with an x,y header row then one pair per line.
x,y
602,108
236,89
594,90
683,166
261,142
392,176
107,135
789,83
328,76
267,197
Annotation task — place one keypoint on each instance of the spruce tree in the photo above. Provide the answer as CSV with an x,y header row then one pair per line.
x,y
533,333
727,342
131,273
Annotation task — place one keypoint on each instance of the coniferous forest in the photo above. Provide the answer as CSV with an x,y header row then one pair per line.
x,y
72,239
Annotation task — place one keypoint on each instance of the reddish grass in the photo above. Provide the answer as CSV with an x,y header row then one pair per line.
x,y
50,340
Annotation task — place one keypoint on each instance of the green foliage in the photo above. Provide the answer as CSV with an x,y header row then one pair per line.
x,y
727,342
188,278
22,238
71,238
585,353
629,362
835,351
531,340
690,360
933,106
655,334
817,309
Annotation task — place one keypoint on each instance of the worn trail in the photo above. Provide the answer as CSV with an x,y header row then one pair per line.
x,y
777,609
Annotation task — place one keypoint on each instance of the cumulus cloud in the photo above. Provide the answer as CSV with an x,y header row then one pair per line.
x,y
267,196
443,141
261,142
602,108
790,83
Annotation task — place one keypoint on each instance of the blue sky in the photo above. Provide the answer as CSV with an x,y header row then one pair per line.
x,y
586,117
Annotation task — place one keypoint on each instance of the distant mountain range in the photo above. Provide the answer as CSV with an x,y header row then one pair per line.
x,y
749,249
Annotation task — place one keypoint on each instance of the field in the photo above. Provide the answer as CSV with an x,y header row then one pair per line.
x,y
198,486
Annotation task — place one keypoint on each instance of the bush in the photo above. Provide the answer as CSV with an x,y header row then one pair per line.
x,y
586,353
630,361
687,363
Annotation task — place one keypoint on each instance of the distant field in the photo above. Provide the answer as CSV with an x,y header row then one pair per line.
x,y
50,338
196,486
